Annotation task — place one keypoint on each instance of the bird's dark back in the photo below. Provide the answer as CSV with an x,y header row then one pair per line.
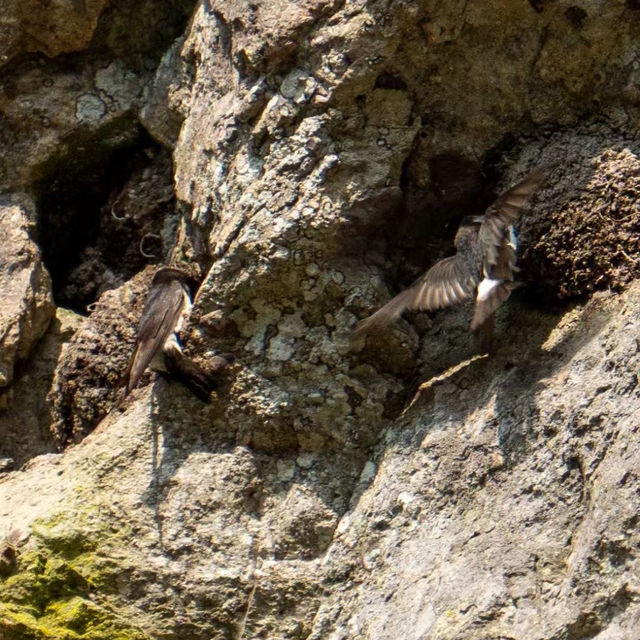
x,y
467,245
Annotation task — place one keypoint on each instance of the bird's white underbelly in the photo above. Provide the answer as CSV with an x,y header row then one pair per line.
x,y
187,305
485,288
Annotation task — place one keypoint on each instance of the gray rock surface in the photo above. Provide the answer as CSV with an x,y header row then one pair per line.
x,y
323,154
64,118
26,417
475,516
501,504
25,288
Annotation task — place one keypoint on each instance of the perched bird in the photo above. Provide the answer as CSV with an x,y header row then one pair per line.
x,y
166,309
484,265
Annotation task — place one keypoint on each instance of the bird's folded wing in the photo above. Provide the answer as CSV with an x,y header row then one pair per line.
x,y
504,212
161,313
447,283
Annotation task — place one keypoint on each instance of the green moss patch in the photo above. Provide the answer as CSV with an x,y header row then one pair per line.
x,y
60,590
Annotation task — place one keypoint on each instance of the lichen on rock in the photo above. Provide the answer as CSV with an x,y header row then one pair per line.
x,y
322,156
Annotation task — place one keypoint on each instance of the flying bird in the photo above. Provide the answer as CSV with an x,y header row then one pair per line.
x,y
484,265
166,309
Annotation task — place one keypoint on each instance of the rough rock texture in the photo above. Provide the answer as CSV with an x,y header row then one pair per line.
x,y
26,417
475,516
135,225
52,113
323,155
503,501
69,130
48,27
590,240
87,375
25,287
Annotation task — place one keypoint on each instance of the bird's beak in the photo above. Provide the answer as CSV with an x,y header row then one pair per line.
x,y
478,219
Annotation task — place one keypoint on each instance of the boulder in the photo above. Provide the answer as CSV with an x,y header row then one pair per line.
x,y
25,288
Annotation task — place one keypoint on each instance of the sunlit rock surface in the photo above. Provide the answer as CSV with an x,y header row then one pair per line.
x,y
323,154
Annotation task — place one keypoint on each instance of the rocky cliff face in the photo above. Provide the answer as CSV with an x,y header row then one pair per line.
x,y
307,160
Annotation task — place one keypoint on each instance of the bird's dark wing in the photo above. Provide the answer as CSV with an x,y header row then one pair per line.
x,y
504,261
504,212
161,313
506,209
447,283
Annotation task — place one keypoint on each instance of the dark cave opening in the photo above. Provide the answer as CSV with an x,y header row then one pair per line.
x,y
77,219
427,223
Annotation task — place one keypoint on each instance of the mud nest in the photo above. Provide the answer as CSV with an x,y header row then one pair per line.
x,y
87,380
583,233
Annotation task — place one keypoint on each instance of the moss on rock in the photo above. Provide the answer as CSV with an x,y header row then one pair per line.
x,y
60,589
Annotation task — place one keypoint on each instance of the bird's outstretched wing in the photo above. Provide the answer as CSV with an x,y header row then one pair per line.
x,y
504,212
161,313
447,283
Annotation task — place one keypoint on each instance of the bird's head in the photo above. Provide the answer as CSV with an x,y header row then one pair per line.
x,y
468,230
167,274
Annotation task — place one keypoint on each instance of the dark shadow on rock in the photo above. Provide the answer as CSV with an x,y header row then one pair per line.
x,y
511,379
181,425
576,160
517,394
513,376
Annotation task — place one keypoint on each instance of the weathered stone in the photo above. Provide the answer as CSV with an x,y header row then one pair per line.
x,y
26,417
502,505
51,28
325,155
89,371
481,517
584,235
136,226
65,115
57,118
161,113
25,287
